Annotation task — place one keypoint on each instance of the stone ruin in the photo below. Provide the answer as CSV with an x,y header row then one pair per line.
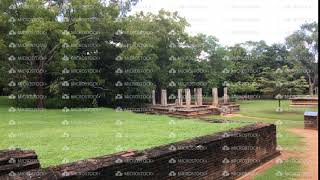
x,y
311,120
304,101
184,106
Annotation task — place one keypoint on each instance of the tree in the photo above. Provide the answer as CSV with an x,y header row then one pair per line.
x,y
37,39
142,48
50,33
161,38
281,81
213,63
242,88
303,47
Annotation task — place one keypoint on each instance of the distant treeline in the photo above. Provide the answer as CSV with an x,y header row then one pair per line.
x,y
88,53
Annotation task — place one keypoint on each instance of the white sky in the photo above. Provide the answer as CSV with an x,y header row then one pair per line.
x,y
236,21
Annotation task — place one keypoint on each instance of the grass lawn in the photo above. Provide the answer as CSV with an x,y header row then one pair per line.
x,y
59,137
265,111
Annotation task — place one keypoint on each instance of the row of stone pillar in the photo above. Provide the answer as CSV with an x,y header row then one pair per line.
x,y
198,97
215,97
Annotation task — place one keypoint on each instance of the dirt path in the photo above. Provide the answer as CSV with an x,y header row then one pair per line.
x,y
310,157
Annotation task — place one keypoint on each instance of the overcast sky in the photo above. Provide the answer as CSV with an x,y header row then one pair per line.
x,y
236,21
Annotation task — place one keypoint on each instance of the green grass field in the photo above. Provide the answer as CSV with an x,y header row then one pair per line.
x,y
267,109
59,137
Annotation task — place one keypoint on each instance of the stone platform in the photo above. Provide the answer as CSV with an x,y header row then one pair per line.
x,y
184,106
306,101
195,110
311,120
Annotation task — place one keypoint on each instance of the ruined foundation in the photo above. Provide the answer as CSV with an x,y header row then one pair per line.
x,y
198,108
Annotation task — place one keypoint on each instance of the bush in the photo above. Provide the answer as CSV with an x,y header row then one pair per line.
x,y
23,103
55,103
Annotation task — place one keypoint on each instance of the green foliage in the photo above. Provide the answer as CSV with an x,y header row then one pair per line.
x,y
152,49
282,81
243,88
303,45
55,103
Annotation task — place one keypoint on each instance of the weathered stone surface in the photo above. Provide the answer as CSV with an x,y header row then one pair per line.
x,y
199,96
225,95
180,97
220,156
215,98
153,97
164,101
310,122
307,101
195,91
188,97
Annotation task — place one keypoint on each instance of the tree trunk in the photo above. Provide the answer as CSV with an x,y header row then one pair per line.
x,y
158,93
40,91
310,85
311,89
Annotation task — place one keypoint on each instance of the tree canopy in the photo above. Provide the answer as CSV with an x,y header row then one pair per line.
x,y
91,52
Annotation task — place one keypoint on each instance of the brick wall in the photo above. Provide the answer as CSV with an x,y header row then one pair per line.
x,y
311,122
225,155
17,161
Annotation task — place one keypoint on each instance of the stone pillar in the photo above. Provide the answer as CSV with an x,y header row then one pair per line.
x,y
188,97
180,98
153,97
199,96
164,98
215,97
195,96
225,95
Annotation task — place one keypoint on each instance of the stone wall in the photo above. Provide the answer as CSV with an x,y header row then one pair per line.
x,y
225,155
311,122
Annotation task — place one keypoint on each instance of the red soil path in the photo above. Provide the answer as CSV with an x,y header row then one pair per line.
x,y
310,157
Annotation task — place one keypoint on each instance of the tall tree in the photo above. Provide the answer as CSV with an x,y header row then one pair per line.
x,y
303,47
51,31
281,81
159,38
